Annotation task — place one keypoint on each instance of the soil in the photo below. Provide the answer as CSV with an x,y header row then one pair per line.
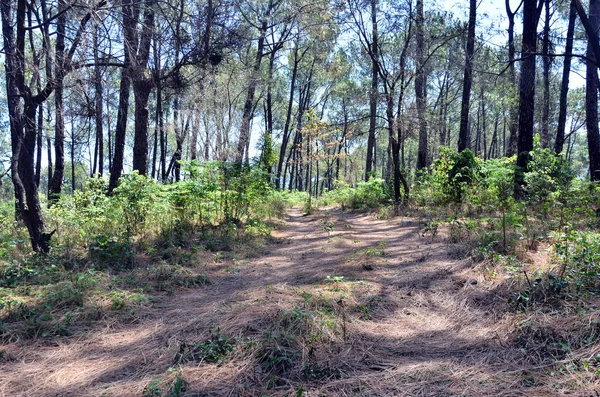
x,y
412,317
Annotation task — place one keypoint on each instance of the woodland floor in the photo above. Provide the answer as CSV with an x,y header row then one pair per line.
x,y
411,317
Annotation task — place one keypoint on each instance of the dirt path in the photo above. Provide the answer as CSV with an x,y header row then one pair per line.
x,y
409,319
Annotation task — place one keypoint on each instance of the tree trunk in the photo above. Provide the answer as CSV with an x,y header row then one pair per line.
x,y
464,140
194,135
22,127
249,104
120,130
140,141
286,129
98,111
514,106
59,124
142,86
564,86
547,63
267,154
483,125
50,168
591,95
163,134
395,148
527,85
420,88
373,94
72,155
129,23
39,145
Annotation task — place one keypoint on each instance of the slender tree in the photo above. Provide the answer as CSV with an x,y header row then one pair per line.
x,y
374,93
531,13
591,93
464,140
421,87
564,85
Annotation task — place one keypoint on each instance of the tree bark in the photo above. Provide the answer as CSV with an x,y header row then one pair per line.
x,y
547,63
249,104
99,108
129,23
514,105
564,86
120,130
59,124
39,145
142,86
420,88
527,85
286,129
464,140
373,94
591,94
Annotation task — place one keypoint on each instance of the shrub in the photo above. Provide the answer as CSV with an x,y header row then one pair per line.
x,y
366,196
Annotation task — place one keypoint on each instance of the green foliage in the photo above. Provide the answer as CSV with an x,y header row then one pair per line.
x,y
164,388
213,350
464,172
136,197
365,196
451,175
579,252
548,178
112,252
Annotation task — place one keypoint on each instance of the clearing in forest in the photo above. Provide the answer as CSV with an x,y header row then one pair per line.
x,y
340,304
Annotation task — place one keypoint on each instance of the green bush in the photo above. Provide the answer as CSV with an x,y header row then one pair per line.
x,y
365,196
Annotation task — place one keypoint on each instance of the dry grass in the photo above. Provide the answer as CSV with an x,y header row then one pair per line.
x,y
308,316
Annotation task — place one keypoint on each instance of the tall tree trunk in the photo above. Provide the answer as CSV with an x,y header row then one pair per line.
x,y
178,126
73,137
268,139
39,145
178,137
162,132
564,86
527,85
140,141
591,95
483,126
373,94
421,89
286,129
59,124
109,134
98,111
514,105
442,104
129,23
249,104
478,130
547,63
50,168
154,150
494,144
142,86
22,126
194,135
342,140
395,148
120,130
464,140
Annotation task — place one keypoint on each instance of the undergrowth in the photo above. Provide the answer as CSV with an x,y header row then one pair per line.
x,y
113,253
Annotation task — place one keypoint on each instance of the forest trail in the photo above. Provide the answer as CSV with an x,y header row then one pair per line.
x,y
411,319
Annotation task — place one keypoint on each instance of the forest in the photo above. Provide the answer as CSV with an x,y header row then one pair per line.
x,y
299,198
